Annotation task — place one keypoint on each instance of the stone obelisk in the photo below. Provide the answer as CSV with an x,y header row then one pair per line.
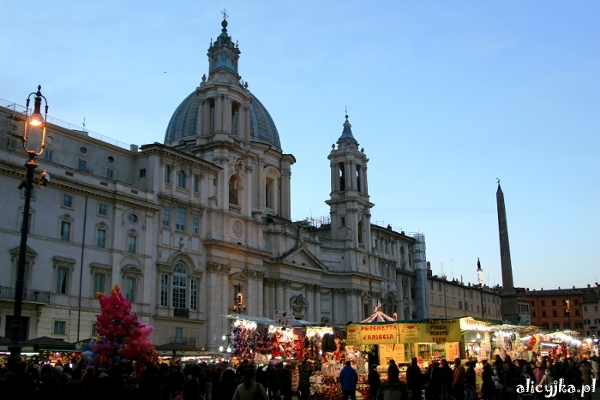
x,y
509,307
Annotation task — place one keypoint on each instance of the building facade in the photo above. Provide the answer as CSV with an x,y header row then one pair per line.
x,y
556,309
196,227
451,298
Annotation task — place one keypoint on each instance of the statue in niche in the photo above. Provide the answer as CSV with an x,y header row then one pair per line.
x,y
298,303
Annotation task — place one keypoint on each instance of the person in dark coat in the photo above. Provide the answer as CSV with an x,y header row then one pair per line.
x,y
285,382
273,384
414,379
374,381
227,384
445,380
434,381
393,388
348,380
487,384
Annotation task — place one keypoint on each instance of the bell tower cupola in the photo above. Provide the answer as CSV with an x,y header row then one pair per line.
x,y
350,208
223,54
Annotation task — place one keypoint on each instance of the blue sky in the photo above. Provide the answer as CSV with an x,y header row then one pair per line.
x,y
445,97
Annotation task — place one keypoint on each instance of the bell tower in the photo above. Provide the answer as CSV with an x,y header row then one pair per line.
x,y
348,202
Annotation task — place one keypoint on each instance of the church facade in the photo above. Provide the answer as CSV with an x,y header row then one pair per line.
x,y
197,227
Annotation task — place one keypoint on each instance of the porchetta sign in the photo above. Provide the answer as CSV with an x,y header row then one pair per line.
x,y
372,334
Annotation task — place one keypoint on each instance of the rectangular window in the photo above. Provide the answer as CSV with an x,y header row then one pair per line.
x,y
543,303
431,285
597,321
194,294
164,290
195,223
60,327
166,215
28,222
167,174
567,325
586,321
180,219
93,330
477,308
99,283
576,301
142,172
553,302
61,280
82,165
585,308
554,313
110,173
196,183
576,313
102,209
545,326
48,155
440,300
178,335
130,289
67,201
532,303
555,325
131,242
543,313
439,286
101,238
578,325
65,230
533,314
460,305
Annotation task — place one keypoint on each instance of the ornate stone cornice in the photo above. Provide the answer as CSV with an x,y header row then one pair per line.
x,y
254,274
217,268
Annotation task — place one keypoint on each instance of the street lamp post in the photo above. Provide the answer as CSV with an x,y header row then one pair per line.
x,y
35,120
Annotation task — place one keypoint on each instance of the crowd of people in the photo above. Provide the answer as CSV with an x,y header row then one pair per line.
x,y
501,379
159,381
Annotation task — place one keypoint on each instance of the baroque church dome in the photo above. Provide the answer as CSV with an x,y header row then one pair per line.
x,y
186,121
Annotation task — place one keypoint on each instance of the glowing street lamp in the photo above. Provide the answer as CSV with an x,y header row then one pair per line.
x,y
38,121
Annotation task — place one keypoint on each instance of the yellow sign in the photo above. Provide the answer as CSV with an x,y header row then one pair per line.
x,y
372,334
430,331
441,331
471,324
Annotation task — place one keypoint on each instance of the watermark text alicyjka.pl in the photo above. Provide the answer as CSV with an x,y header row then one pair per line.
x,y
551,389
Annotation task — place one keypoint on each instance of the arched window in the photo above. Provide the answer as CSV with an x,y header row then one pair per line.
x,y
342,176
358,173
181,179
179,286
233,190
235,116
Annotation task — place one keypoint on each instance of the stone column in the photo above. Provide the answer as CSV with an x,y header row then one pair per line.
x,y
349,177
206,118
310,298
227,115
317,304
261,183
286,295
217,301
219,113
364,179
334,177
279,303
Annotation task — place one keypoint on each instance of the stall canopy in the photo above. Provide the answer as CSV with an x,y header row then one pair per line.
x,y
379,316
266,321
178,348
49,343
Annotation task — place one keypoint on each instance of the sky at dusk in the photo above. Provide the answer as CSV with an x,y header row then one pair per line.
x,y
444,97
